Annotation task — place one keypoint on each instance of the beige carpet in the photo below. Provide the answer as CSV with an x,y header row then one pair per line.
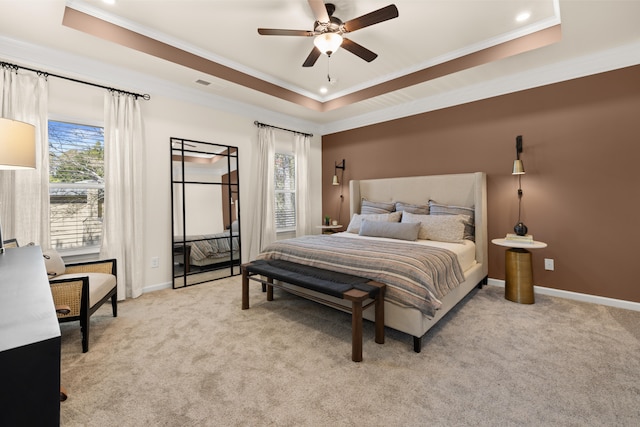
x,y
192,357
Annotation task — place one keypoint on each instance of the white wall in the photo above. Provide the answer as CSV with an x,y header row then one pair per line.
x,y
165,118
204,202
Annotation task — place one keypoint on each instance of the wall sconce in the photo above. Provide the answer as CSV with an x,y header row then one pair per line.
x,y
335,173
518,169
17,149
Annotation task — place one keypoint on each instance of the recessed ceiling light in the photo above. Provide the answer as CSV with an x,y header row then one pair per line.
x,y
523,16
109,1
323,90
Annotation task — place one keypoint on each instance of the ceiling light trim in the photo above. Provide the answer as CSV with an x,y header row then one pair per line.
x,y
118,21
495,53
109,31
468,50
134,27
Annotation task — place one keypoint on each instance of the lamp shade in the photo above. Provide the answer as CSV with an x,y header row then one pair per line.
x,y
335,180
328,43
518,167
17,145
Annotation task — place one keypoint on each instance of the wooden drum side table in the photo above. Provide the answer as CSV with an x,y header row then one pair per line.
x,y
518,285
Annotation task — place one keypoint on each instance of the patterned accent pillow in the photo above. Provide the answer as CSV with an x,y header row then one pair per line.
x,y
367,207
442,228
470,227
391,230
356,220
416,209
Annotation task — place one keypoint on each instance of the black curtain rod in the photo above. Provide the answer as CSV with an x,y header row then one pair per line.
x,y
257,123
146,97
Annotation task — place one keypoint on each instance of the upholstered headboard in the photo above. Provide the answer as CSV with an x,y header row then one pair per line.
x,y
467,189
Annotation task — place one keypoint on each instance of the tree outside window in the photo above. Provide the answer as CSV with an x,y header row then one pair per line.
x,y
285,191
76,184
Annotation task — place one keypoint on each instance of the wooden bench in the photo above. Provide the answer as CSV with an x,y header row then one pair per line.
x,y
355,289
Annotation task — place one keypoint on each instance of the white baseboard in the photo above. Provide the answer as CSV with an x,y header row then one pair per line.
x,y
611,302
156,287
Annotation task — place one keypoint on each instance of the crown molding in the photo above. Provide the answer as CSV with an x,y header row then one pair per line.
x,y
64,63
608,60
55,61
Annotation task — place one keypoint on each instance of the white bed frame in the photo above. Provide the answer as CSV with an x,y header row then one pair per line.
x,y
469,189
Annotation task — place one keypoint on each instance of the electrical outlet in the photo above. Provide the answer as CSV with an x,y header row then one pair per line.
x,y
155,262
548,264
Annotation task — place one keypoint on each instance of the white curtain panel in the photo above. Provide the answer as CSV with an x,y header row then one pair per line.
x,y
263,221
24,194
122,233
303,201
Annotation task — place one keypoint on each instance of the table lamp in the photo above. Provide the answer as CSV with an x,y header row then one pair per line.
x,y
17,150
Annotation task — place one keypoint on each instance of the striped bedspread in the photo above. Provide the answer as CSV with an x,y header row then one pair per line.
x,y
212,246
415,275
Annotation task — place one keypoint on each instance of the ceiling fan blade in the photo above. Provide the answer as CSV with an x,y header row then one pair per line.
x,y
312,58
358,50
277,32
375,17
319,10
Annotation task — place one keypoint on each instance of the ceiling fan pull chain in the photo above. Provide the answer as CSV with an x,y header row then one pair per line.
x,y
328,69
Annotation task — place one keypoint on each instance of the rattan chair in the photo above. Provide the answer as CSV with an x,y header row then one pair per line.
x,y
10,243
84,287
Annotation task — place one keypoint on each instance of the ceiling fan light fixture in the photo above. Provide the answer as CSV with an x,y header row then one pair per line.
x,y
328,43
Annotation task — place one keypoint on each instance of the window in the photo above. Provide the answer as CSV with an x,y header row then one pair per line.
x,y
76,184
285,191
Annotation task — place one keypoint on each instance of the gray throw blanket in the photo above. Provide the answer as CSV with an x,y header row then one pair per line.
x,y
415,275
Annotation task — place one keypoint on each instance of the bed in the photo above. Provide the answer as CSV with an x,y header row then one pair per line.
x,y
425,278
208,250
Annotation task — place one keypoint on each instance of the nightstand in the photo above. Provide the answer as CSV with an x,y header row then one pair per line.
x,y
329,229
518,285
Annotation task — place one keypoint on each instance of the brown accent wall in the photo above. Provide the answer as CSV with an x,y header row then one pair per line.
x,y
581,142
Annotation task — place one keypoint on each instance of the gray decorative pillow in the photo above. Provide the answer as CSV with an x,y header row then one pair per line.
x,y
392,230
356,220
470,227
367,207
53,262
416,209
442,228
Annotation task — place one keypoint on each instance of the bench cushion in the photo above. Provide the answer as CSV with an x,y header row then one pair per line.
x,y
323,281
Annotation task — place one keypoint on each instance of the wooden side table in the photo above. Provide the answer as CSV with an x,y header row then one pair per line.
x,y
518,285
329,229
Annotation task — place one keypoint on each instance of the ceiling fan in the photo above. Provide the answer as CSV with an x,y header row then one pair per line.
x,y
329,30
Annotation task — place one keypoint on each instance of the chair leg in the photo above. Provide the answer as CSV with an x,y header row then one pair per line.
x,y
84,328
63,394
114,305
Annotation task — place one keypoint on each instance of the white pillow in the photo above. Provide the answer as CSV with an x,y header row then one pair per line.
x,y
442,228
356,220
53,262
